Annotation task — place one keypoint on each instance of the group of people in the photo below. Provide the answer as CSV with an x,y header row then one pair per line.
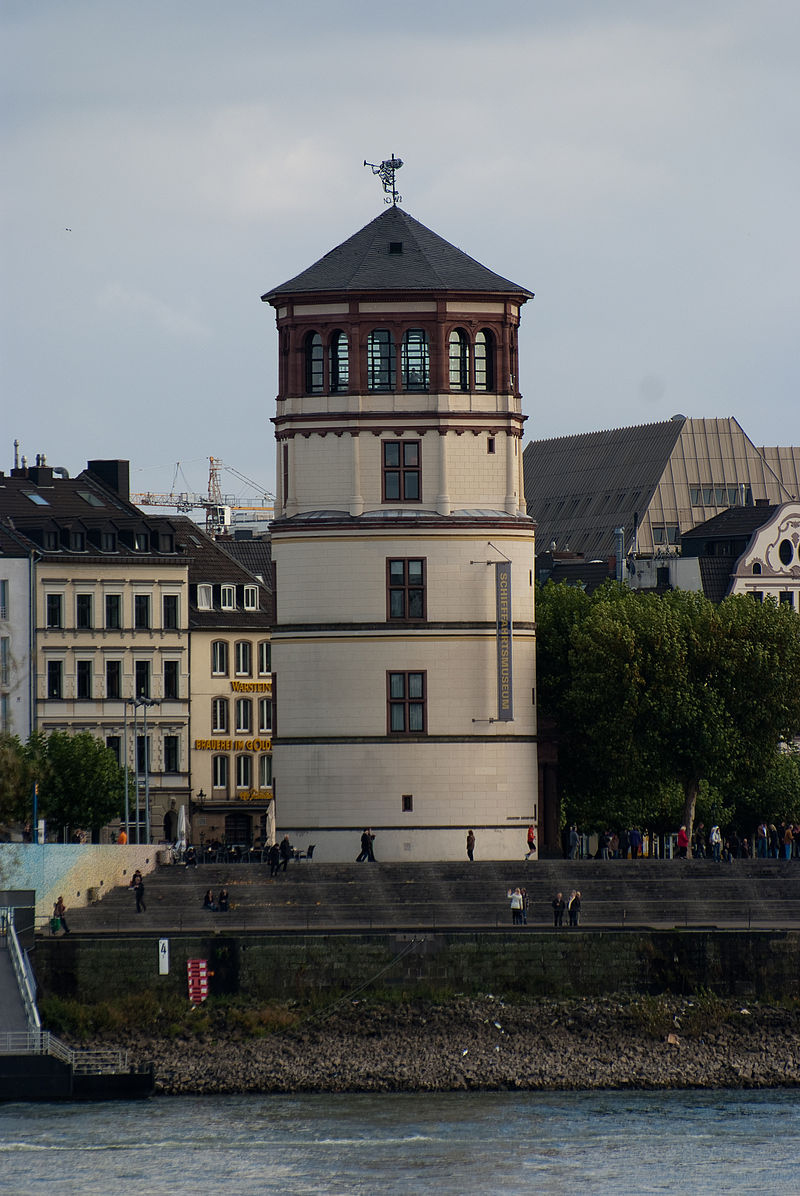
x,y
218,906
520,905
367,852
572,906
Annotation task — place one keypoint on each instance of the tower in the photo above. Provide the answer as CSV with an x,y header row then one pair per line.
x,y
404,641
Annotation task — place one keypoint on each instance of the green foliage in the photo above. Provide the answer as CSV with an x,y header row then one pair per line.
x,y
662,702
16,779
164,1016
80,782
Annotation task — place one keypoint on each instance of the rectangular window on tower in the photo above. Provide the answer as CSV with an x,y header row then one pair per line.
x,y
402,471
405,588
406,703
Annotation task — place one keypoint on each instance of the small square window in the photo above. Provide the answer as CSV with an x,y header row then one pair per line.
x,y
490,445
408,803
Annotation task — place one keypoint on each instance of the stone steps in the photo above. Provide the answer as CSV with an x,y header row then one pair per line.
x,y
318,896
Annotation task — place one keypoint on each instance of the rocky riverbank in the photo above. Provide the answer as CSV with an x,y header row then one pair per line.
x,y
486,1043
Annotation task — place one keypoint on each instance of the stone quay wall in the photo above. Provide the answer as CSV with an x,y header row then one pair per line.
x,y
756,964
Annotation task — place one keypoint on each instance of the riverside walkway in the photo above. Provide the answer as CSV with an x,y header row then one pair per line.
x,y
322,897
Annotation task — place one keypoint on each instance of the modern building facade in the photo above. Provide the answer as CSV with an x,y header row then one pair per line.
x,y
655,481
404,640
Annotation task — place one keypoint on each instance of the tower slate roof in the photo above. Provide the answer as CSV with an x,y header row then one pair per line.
x,y
371,261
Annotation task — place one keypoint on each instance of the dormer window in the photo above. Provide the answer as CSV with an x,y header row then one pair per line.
x,y
251,597
77,541
141,541
204,597
228,597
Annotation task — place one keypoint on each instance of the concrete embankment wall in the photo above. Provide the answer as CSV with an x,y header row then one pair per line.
x,y
747,964
77,872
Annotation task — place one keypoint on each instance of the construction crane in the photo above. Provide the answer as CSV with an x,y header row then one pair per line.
x,y
218,507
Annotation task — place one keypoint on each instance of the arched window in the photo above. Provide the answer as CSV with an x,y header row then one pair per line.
x,y
415,359
339,363
220,772
459,360
314,363
265,772
484,360
756,569
244,716
219,658
244,772
381,365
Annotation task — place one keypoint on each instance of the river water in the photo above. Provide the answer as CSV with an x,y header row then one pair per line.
x,y
449,1144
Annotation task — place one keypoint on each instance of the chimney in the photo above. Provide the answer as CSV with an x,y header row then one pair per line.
x,y
114,474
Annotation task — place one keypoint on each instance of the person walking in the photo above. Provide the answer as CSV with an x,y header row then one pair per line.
x,y
274,857
470,846
559,906
531,842
285,852
138,888
59,911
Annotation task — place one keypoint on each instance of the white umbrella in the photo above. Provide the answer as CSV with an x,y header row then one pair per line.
x,y
180,845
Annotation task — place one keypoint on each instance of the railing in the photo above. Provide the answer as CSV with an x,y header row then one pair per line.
x,y
42,1042
462,915
22,968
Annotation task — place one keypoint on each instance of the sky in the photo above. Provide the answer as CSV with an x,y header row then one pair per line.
x,y
632,162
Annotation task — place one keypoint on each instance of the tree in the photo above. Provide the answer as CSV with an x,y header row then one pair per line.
x,y
659,690
80,782
15,779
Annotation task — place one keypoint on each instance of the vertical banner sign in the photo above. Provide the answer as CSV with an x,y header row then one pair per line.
x,y
163,957
502,580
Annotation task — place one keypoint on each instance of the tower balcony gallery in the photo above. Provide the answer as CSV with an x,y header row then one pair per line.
x,y
404,636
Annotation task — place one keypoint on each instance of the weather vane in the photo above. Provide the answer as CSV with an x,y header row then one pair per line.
x,y
386,172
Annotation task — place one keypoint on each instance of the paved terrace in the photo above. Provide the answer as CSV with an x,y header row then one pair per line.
x,y
763,894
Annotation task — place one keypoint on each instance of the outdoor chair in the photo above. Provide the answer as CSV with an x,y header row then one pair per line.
x,y
308,854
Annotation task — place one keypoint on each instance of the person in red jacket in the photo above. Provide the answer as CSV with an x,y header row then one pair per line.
x,y
683,843
531,842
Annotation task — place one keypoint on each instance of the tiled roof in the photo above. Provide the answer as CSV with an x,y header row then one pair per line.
x,y
39,501
255,554
424,262
715,574
736,521
584,486
210,564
